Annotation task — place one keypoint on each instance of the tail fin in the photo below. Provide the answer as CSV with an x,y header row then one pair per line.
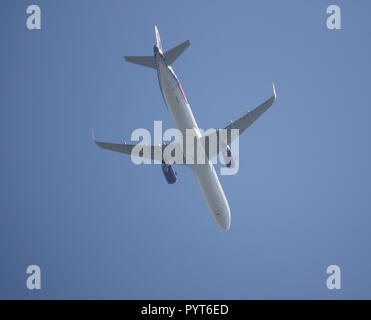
x,y
170,55
158,40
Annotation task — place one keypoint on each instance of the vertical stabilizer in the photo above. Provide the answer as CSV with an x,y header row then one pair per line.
x,y
158,40
170,55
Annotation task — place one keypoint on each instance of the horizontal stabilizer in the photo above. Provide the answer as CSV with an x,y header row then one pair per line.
x,y
172,54
146,61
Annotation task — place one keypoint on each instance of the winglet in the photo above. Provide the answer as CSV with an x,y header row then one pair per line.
x,y
274,91
93,134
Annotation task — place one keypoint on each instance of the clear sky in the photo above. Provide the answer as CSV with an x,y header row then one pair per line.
x,y
101,227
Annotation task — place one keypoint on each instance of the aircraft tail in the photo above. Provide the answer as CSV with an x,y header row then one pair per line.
x,y
158,40
146,61
170,55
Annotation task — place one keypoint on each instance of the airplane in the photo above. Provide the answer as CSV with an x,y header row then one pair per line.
x,y
181,113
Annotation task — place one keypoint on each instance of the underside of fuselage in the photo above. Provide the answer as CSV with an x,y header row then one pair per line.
x,y
183,118
181,113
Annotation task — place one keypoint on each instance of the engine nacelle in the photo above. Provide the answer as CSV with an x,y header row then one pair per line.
x,y
169,173
228,159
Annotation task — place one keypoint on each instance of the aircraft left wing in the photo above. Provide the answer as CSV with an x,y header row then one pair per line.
x,y
149,152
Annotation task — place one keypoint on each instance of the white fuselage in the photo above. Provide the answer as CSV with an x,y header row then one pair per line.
x,y
183,118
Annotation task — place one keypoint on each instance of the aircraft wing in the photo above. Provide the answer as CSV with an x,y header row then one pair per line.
x,y
241,124
149,152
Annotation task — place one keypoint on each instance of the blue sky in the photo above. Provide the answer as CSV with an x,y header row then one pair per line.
x,y
100,227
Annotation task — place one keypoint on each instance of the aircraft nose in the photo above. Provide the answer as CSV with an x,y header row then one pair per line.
x,y
223,219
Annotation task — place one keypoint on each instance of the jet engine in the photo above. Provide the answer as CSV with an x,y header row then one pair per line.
x,y
169,173
228,159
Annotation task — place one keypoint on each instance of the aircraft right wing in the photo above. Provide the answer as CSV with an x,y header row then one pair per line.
x,y
241,124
